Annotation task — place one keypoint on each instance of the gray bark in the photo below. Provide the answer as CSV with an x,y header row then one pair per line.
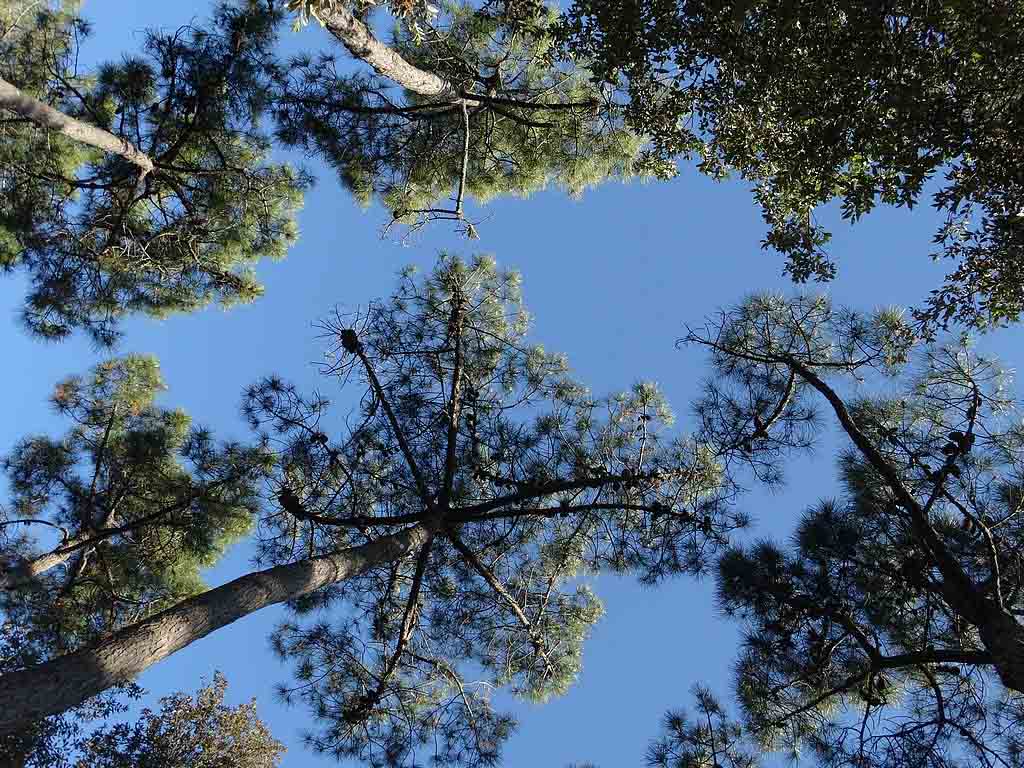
x,y
11,98
1003,637
386,62
24,572
64,682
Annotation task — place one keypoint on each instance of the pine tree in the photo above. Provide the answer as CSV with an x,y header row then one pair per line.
x,y
464,102
888,632
109,523
442,526
142,187
860,103
141,501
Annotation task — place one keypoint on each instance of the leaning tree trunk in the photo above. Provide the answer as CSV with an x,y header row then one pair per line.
x,y
13,99
386,62
57,685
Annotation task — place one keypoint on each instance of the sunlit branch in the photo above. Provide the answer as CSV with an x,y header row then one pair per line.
x,y
409,619
455,327
41,114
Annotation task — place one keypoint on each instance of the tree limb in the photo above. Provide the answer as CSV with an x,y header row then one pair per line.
x,y
385,61
14,100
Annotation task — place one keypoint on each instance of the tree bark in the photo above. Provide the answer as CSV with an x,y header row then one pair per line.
x,y
1000,631
386,62
12,98
64,682
1003,637
23,573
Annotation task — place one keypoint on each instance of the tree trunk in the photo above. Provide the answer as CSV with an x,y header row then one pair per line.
x,y
1003,637
64,682
361,43
13,99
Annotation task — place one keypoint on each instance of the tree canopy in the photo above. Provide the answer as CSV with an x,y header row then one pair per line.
x,y
100,235
434,535
859,103
527,481
474,103
886,633
141,500
187,732
447,520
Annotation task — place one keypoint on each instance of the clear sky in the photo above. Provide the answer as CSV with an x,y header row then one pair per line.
x,y
610,279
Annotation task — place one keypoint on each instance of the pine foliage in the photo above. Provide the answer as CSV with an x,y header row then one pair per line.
x,y
529,482
98,242
142,502
886,633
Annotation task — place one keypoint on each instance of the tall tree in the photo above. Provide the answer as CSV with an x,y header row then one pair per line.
x,y
463,102
888,633
144,187
856,102
446,519
107,524
140,499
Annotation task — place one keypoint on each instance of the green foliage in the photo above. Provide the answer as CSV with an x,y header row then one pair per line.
x,y
886,633
51,742
537,122
143,501
710,739
187,732
530,484
96,242
864,103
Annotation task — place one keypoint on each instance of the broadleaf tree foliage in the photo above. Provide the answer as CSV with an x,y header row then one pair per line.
x,y
45,743
861,103
445,524
187,732
172,222
888,632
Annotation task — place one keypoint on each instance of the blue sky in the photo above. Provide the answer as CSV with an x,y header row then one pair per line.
x,y
610,279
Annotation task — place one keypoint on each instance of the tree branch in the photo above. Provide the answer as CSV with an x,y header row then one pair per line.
x,y
455,405
385,61
499,589
964,592
45,116
378,390
465,160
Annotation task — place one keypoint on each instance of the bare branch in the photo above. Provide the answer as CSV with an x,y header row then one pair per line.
x,y
410,460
